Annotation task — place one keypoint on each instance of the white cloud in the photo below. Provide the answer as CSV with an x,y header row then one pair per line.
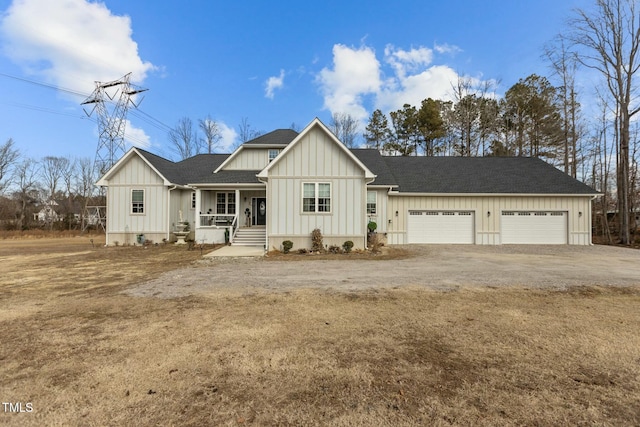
x,y
355,73
136,136
433,82
358,82
229,138
446,48
274,83
71,43
403,61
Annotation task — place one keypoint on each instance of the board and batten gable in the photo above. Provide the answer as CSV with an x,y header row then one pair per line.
x,y
487,212
122,224
316,157
248,158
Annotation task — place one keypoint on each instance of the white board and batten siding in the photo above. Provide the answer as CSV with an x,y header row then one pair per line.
x,y
248,159
122,224
316,159
572,212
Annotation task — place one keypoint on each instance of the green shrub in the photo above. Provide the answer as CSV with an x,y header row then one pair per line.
x,y
347,246
372,226
287,245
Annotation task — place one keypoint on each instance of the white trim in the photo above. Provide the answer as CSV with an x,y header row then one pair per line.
x,y
397,193
375,202
133,150
226,202
144,202
269,150
316,195
228,159
221,186
264,173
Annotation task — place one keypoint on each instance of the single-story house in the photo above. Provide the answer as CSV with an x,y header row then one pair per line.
x,y
284,184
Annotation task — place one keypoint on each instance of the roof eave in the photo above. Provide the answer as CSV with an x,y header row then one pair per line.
x,y
407,193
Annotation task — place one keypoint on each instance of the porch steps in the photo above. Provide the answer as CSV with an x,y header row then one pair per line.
x,y
250,236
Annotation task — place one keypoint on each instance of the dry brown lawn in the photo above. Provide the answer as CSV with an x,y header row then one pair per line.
x,y
84,353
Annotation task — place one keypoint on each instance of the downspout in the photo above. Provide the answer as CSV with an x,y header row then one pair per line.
x,y
169,211
266,223
591,217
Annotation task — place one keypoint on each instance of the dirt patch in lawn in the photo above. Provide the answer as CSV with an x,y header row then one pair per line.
x,y
82,349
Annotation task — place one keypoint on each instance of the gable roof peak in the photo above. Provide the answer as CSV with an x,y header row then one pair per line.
x,y
275,137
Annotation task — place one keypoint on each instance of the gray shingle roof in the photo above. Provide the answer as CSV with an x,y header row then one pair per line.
x,y
376,164
447,175
195,169
229,177
277,137
498,175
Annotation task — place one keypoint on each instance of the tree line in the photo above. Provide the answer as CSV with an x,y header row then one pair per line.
x,y
543,117
538,116
29,185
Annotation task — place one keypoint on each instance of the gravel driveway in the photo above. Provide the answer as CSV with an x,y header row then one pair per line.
x,y
443,267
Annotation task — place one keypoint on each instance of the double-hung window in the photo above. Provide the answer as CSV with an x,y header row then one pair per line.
x,y
371,203
226,203
137,201
316,197
273,153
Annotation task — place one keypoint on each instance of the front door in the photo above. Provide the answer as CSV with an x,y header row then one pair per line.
x,y
260,211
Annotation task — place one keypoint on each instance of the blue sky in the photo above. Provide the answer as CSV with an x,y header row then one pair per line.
x,y
273,63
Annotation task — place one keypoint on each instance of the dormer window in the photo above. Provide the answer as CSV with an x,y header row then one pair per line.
x,y
273,153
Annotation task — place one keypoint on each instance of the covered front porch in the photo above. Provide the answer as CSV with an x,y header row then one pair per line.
x,y
222,212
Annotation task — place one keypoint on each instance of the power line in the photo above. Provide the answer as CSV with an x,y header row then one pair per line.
x,y
150,120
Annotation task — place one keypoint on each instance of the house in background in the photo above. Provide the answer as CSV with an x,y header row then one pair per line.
x,y
282,185
48,212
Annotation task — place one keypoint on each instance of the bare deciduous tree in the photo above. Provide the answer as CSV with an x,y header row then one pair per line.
x,y
564,66
9,155
246,132
26,182
184,140
345,128
211,132
53,170
609,39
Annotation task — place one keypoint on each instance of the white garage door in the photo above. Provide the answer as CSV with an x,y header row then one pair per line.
x,y
534,227
440,227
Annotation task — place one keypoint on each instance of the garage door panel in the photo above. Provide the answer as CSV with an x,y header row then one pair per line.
x,y
440,227
534,227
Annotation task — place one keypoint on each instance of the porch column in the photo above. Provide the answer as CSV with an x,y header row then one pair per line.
x,y
238,205
198,207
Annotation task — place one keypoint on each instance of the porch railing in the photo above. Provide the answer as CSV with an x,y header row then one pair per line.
x,y
217,220
234,228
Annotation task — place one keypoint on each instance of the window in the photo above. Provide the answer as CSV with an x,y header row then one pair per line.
x,y
273,153
371,202
137,201
193,200
316,197
226,203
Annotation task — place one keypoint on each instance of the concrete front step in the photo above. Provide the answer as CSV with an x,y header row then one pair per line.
x,y
250,236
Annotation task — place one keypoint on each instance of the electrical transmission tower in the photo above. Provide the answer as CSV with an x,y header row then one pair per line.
x,y
110,101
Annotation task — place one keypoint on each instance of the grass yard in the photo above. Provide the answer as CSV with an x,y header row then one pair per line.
x,y
80,352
